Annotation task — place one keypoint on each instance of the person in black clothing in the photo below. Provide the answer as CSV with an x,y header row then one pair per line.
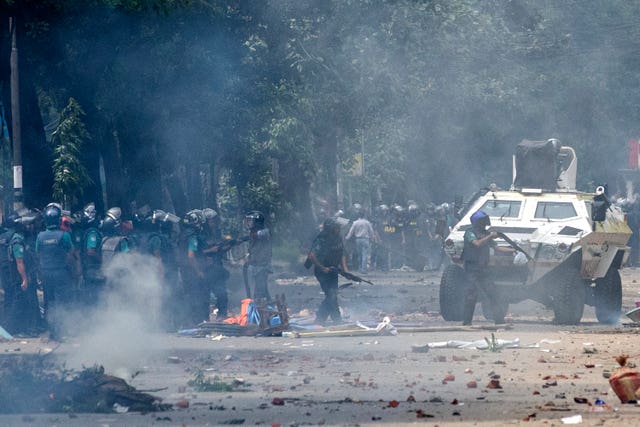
x,y
477,243
327,254
196,289
216,274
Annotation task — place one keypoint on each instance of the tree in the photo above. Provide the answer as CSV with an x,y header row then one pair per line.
x,y
70,176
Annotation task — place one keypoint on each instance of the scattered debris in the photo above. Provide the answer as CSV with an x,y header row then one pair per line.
x,y
421,414
416,348
448,377
574,419
346,330
182,403
30,384
201,383
484,344
624,380
494,384
634,315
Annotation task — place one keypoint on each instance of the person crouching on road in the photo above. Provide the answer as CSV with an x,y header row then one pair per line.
x,y
477,243
327,255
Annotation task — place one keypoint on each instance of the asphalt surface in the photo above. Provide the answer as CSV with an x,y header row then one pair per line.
x,y
365,379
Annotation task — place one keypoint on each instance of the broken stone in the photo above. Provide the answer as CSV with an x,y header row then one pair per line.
x,y
494,384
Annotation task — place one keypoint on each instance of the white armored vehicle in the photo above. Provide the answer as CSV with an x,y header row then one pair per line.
x,y
571,244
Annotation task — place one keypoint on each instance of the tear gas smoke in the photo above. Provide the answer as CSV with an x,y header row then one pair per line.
x,y
118,332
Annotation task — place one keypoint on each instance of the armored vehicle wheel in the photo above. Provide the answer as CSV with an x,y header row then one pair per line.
x,y
569,298
608,297
452,287
489,310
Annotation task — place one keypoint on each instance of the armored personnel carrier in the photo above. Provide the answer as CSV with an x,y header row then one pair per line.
x,y
571,244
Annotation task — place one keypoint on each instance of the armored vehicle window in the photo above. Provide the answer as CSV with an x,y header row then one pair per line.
x,y
502,208
555,210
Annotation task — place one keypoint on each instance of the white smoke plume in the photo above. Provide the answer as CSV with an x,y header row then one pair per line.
x,y
118,332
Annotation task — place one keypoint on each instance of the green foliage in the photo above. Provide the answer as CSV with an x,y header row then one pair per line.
x,y
277,93
69,174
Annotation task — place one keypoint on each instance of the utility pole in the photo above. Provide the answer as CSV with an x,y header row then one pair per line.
x,y
16,134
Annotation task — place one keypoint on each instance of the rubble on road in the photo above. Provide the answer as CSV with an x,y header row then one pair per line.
x,y
29,385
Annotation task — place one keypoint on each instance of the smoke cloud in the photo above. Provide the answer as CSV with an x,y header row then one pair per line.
x,y
118,333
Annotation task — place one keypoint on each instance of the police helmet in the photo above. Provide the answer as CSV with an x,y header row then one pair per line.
x,y
398,209
140,216
193,219
112,220
89,213
24,218
55,205
431,207
383,208
255,220
413,208
9,220
52,216
480,220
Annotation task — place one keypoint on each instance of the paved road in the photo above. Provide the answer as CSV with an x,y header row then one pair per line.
x,y
355,380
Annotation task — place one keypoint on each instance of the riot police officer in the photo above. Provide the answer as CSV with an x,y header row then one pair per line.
x,y
23,316
476,252
114,242
383,230
196,288
8,228
260,252
158,244
414,234
327,254
91,255
396,237
54,249
434,240
217,275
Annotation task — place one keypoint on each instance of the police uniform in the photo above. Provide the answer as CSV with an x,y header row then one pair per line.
x,y
197,289
23,315
476,259
328,250
91,259
53,248
216,274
